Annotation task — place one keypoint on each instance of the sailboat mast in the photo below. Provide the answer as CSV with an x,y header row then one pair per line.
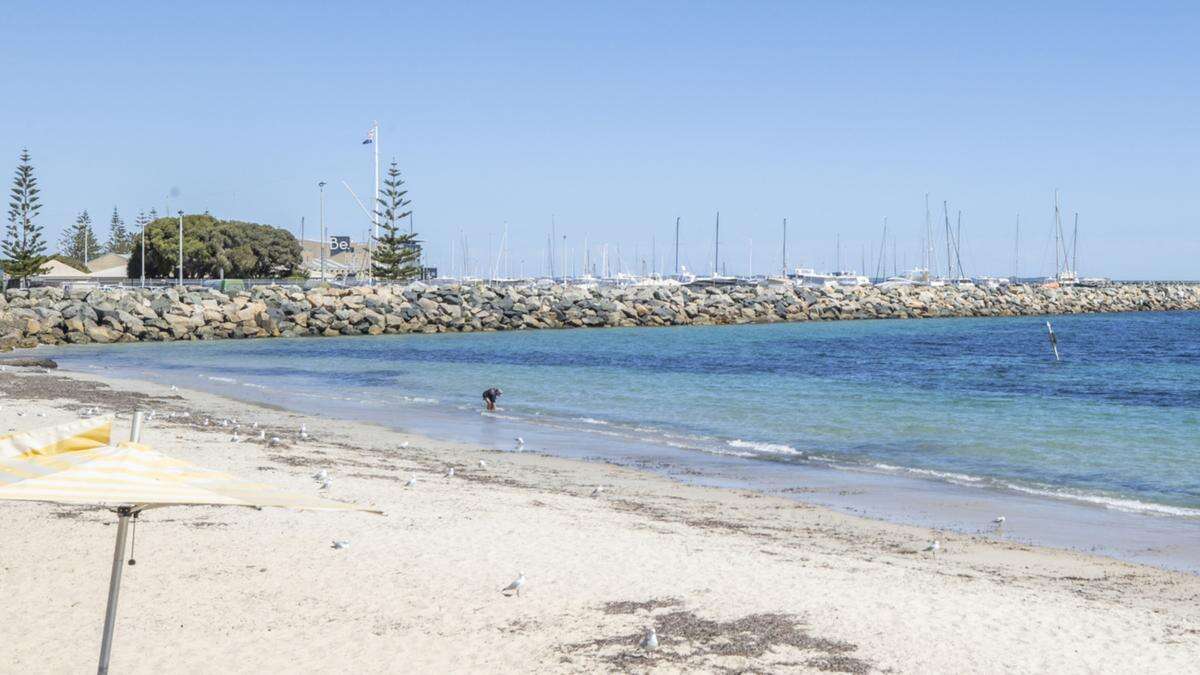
x,y
1075,245
949,239
677,246
785,248
717,247
1057,238
1017,252
958,247
927,257
881,264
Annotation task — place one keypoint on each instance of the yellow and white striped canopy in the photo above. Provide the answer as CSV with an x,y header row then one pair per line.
x,y
72,436
130,474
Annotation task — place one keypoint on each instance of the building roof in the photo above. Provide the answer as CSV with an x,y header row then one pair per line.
x,y
57,269
109,261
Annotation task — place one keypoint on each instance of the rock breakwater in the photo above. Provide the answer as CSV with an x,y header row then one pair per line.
x,y
55,316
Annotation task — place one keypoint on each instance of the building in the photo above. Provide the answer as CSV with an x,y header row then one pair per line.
x,y
345,264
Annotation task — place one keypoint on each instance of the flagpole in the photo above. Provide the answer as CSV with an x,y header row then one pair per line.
x,y
374,210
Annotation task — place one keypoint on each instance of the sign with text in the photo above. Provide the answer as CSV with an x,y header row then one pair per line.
x,y
339,245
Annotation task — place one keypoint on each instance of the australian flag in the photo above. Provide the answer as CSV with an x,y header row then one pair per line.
x,y
370,137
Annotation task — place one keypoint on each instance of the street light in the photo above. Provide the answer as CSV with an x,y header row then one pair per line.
x,y
324,243
143,219
181,248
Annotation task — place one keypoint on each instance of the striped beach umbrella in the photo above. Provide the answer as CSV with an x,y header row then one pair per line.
x,y
77,463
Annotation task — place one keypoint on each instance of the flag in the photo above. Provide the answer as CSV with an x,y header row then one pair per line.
x,y
370,137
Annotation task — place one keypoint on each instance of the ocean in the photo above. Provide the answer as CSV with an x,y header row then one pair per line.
x,y
951,409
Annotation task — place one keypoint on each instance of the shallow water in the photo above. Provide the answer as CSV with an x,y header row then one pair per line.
x,y
961,403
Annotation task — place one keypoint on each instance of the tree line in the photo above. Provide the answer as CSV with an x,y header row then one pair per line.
x,y
211,247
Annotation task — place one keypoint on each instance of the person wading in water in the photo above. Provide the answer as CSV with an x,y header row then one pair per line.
x,y
490,396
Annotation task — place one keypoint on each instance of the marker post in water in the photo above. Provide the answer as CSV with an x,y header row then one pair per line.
x,y
1053,340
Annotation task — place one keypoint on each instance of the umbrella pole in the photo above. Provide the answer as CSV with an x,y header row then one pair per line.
x,y
114,583
114,588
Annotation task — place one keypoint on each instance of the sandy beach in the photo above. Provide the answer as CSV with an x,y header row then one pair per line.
x,y
733,581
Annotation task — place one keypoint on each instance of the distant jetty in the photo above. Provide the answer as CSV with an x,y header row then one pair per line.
x,y
55,316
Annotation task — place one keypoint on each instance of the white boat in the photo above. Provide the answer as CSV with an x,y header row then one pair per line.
x,y
991,282
806,276
896,282
851,278
920,276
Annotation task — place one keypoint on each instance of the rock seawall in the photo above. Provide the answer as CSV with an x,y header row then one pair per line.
x,y
54,316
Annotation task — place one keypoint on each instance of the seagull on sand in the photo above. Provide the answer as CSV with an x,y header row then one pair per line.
x,y
303,432
341,544
412,482
321,476
450,473
597,490
482,464
515,586
262,434
404,444
174,388
934,546
41,414
650,640
275,440
520,442
998,521
324,485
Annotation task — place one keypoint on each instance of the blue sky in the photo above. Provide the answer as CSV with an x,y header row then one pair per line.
x,y
616,118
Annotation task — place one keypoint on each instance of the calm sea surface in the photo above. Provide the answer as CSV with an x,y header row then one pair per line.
x,y
966,402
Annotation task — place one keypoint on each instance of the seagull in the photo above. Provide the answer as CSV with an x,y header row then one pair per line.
x,y
340,544
254,426
520,441
934,547
597,490
41,414
262,434
650,641
206,421
450,473
303,432
482,464
20,414
998,521
404,444
321,475
174,388
515,585
275,440
412,482
235,438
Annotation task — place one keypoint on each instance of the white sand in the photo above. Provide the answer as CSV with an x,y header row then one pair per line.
x,y
237,590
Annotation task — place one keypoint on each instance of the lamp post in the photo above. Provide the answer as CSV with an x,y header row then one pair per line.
x,y
143,219
181,248
324,243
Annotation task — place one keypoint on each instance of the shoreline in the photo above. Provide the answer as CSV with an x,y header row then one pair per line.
x,y
1160,536
718,570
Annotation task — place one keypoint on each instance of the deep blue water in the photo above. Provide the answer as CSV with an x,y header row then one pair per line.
x,y
972,401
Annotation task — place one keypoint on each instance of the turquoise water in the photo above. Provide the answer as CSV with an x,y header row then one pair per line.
x,y
971,402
